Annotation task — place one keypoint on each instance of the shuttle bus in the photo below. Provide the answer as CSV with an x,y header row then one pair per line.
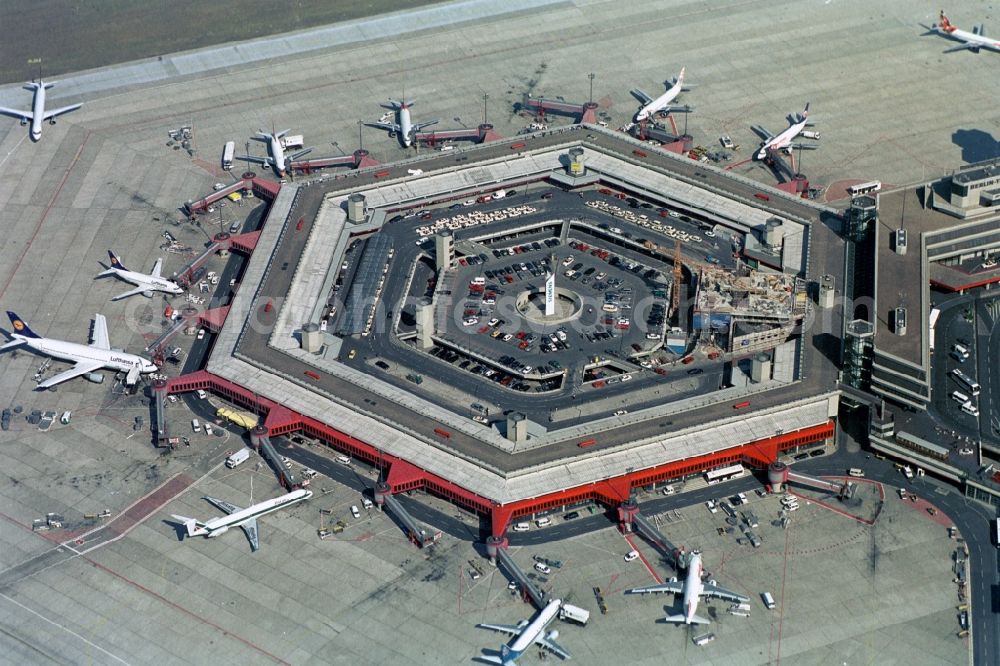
x,y
864,188
227,155
966,381
932,322
714,476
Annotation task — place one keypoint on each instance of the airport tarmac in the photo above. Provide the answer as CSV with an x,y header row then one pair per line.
x,y
103,178
846,592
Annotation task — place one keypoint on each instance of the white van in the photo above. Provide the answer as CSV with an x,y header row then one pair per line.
x,y
768,600
855,472
969,408
522,527
961,350
543,521
195,425
201,394
959,397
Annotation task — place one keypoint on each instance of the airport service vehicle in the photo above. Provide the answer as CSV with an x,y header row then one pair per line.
x,y
276,158
855,472
571,613
238,458
693,588
631,555
972,41
526,635
768,600
245,519
38,114
661,104
87,358
783,141
145,283
404,128
227,155
242,419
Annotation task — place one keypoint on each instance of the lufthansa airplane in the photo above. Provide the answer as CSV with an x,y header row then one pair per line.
x,y
145,284
87,358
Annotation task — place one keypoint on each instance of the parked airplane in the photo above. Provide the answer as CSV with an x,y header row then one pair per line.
x,y
245,519
145,284
88,358
973,41
662,103
405,128
693,589
784,140
276,158
527,634
38,114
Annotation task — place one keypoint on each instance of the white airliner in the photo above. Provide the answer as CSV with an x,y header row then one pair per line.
x,y
245,519
404,128
662,103
527,634
38,114
88,358
276,158
783,141
145,284
693,590
973,41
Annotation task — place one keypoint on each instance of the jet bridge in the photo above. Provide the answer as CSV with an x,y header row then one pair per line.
x,y
779,474
262,443
630,519
416,534
585,112
528,588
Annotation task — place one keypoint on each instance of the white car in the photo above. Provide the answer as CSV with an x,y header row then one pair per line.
x,y
218,186
631,555
669,490
470,321
343,460
201,334
710,505
522,527
355,512
493,322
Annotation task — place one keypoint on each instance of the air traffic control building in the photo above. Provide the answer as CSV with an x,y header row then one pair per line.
x,y
733,377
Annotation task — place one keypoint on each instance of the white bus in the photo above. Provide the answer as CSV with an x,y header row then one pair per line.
x,y
932,321
714,476
966,381
227,155
864,188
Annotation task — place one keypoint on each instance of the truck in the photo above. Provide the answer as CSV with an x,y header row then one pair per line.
x,y
227,155
238,458
242,419
292,141
500,194
571,613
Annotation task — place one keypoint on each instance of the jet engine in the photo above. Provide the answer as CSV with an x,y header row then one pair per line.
x,y
552,635
52,121
95,377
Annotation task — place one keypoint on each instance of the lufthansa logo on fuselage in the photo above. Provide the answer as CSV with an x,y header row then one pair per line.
x,y
126,361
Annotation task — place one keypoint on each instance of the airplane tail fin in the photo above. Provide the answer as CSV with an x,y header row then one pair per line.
x,y
189,523
116,262
680,77
805,112
20,326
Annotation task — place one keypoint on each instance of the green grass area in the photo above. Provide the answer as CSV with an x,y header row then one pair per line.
x,y
73,35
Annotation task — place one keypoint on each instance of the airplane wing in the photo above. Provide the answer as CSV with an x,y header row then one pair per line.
x,y
223,505
131,292
761,132
509,629
392,127
264,161
670,108
250,529
100,338
551,646
803,146
710,590
156,268
81,368
419,126
59,112
968,46
671,587
641,96
26,115
295,156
